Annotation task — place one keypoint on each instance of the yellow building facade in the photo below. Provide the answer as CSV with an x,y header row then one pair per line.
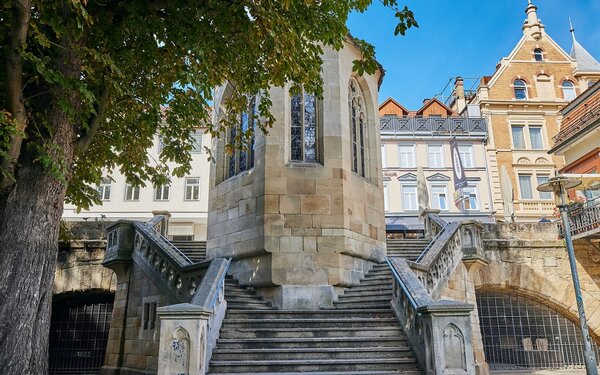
x,y
521,102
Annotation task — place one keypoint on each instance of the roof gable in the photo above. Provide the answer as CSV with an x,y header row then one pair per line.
x,y
392,107
434,102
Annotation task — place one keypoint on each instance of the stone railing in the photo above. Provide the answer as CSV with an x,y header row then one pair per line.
x,y
439,331
534,206
189,327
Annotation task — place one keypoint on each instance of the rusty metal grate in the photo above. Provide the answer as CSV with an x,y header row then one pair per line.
x,y
520,333
79,334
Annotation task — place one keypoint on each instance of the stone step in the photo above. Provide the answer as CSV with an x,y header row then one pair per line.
x,y
371,372
377,281
310,342
320,332
367,306
359,299
307,365
310,353
254,306
311,314
366,295
369,288
309,323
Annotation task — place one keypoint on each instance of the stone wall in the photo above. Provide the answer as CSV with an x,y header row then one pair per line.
x,y
79,261
299,231
133,348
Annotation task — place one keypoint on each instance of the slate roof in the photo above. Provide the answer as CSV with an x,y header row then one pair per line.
x,y
585,61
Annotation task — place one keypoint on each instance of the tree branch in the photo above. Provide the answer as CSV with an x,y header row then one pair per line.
x,y
86,139
21,12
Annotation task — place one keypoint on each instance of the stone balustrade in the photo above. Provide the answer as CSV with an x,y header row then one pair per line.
x,y
190,325
439,331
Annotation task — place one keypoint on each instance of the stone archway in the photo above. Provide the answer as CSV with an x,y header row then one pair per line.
x,y
545,280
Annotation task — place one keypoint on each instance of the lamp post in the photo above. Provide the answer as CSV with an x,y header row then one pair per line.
x,y
559,185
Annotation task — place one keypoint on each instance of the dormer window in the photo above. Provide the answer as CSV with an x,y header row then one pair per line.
x,y
568,89
520,89
538,54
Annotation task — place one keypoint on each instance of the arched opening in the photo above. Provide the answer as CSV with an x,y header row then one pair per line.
x,y
79,332
538,54
568,89
520,332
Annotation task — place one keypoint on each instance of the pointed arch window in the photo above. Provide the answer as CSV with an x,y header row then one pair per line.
x,y
568,89
520,89
305,127
358,133
243,160
538,54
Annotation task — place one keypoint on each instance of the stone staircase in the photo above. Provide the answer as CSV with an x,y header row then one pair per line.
x,y
358,336
409,249
195,250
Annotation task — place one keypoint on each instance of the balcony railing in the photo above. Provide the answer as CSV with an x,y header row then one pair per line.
x,y
442,125
535,206
585,221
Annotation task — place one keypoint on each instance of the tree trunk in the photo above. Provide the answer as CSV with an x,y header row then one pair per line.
x,y
29,241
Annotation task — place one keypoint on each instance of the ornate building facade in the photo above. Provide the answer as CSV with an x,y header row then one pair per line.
x,y
521,102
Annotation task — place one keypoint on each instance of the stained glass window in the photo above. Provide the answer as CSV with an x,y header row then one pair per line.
x,y
243,159
358,117
304,142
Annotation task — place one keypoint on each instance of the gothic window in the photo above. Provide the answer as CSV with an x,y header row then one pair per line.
x,y
243,160
304,128
520,89
538,54
358,132
568,89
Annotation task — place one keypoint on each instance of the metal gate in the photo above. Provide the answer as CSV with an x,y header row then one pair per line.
x,y
519,332
79,333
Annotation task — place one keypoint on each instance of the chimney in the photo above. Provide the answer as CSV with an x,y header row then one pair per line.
x,y
459,95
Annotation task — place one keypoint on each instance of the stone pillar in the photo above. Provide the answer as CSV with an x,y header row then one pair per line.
x,y
119,248
163,228
183,339
447,330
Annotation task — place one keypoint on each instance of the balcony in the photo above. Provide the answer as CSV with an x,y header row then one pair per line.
x,y
585,220
433,125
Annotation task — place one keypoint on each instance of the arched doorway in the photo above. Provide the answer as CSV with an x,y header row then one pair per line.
x,y
519,332
79,332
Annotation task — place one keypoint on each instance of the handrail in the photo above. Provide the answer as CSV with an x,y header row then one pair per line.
x,y
430,244
401,283
166,240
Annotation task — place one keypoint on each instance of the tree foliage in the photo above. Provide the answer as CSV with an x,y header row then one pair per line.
x,y
137,68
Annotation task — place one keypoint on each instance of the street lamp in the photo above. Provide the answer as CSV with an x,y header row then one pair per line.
x,y
559,186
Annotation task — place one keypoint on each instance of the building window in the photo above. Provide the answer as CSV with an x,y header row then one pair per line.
x,y
470,201
409,198
357,127
386,198
304,145
525,186
104,188
538,54
466,156
383,157
161,193
406,155
439,199
535,136
568,89
149,318
161,144
196,142
541,179
520,89
192,188
243,159
518,137
435,156
132,193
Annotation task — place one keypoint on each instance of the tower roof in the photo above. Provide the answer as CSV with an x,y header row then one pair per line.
x,y
585,61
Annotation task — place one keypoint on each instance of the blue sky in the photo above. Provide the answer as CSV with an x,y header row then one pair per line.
x,y
462,37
